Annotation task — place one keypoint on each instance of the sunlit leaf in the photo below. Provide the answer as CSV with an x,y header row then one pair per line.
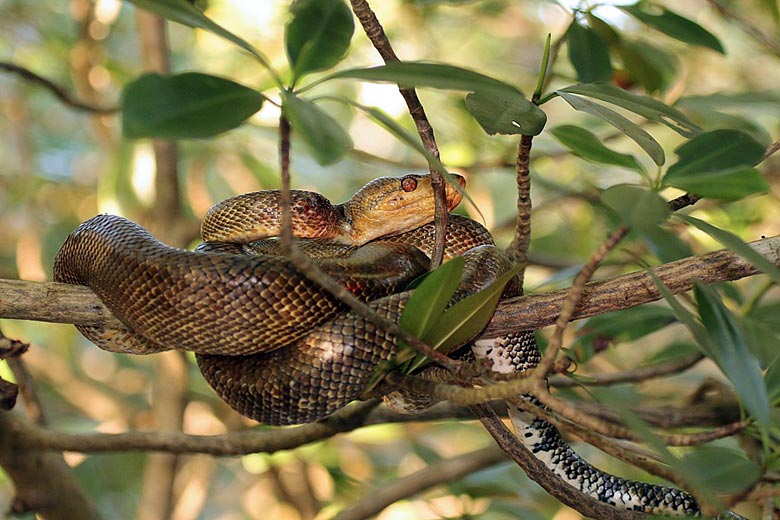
x,y
718,164
189,105
588,53
624,125
731,353
676,26
737,245
318,34
431,297
326,139
587,145
645,106
626,325
186,13
502,112
637,206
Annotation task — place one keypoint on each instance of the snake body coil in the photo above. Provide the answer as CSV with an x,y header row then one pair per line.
x,y
277,347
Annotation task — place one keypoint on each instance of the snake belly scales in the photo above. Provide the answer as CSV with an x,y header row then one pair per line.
x,y
281,350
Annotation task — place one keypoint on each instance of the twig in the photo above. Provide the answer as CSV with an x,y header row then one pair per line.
x,y
58,91
438,473
376,34
630,376
518,249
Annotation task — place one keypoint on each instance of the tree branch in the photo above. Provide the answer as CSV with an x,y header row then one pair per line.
x,y
63,303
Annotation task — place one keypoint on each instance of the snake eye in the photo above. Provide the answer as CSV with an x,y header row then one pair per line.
x,y
408,184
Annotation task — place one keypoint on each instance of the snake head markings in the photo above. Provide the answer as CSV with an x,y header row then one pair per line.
x,y
388,205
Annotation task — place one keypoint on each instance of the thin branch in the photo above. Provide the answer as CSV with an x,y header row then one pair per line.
x,y
629,376
751,30
436,474
58,91
376,34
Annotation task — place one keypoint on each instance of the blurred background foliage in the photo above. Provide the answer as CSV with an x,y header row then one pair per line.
x,y
60,166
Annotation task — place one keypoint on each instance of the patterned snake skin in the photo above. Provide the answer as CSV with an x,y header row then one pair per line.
x,y
279,349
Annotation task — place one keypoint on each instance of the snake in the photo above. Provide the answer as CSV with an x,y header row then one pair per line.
x,y
281,350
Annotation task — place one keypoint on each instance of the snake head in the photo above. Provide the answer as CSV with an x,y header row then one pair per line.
x,y
392,205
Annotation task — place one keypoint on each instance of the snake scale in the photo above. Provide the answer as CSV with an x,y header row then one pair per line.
x,y
278,348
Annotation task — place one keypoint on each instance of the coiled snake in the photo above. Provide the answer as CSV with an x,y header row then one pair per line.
x,y
278,348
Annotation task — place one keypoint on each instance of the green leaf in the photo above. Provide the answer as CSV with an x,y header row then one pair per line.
x,y
625,325
431,297
645,106
189,105
773,7
626,126
718,164
468,317
637,206
772,381
737,245
186,13
505,113
676,26
731,353
723,470
587,145
588,53
649,66
318,35
665,245
497,106
326,139
424,74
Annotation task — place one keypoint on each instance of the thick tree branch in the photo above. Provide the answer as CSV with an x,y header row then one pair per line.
x,y
62,303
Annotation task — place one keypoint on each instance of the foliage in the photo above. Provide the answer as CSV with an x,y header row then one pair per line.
x,y
643,80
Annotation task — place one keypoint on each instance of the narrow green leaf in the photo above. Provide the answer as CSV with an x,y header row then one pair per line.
x,y
189,105
676,26
625,325
468,317
326,139
503,112
772,381
587,145
588,53
731,353
603,29
773,6
318,34
637,206
724,470
645,106
645,65
431,297
719,162
665,245
737,245
728,184
186,13
497,106
626,126
424,74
